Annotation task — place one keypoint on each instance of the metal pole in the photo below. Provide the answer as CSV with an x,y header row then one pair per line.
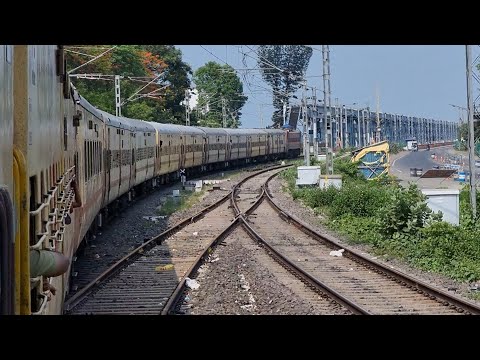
x,y
471,139
358,127
377,137
224,113
339,121
307,125
187,107
118,103
314,119
327,109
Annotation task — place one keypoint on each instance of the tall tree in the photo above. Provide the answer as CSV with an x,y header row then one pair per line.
x,y
283,67
146,61
215,82
177,75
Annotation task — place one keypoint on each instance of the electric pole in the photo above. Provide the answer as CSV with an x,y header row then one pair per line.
x,y
378,136
314,119
471,138
306,126
327,109
118,103
187,107
224,112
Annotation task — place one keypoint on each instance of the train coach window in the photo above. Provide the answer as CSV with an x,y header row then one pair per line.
x,y
90,124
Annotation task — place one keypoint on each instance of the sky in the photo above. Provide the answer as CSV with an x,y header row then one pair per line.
x,y
412,80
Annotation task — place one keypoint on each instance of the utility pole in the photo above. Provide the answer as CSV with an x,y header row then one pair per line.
x,y
118,103
378,136
327,113
314,119
358,126
224,112
471,138
306,126
187,107
339,121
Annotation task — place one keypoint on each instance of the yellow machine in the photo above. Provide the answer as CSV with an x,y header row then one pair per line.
x,y
374,160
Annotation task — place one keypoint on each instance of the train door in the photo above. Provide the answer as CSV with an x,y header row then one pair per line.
x,y
249,146
133,173
106,163
269,139
228,147
182,152
205,151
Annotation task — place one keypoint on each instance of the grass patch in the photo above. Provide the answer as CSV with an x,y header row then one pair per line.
x,y
185,201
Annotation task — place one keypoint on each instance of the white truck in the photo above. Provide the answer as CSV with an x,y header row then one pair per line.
x,y
412,144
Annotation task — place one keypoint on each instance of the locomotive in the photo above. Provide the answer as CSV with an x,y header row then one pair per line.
x,y
52,140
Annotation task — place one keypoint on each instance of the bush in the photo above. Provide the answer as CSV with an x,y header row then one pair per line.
x,y
450,250
406,212
361,199
395,148
360,230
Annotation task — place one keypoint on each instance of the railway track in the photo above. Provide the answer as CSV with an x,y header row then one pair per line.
x,y
359,283
143,281
244,200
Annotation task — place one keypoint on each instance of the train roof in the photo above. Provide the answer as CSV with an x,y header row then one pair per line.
x,y
193,130
245,131
115,121
86,105
167,128
139,125
212,131
274,131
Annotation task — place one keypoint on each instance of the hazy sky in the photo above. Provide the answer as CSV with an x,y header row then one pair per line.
x,y
414,80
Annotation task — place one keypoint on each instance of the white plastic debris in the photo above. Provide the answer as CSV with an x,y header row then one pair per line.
x,y
192,284
195,233
154,218
216,259
337,252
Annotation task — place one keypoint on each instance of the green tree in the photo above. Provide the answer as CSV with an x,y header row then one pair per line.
x,y
135,61
177,76
215,82
283,67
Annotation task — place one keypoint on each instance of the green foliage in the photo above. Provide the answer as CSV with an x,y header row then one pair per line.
x,y
347,168
216,82
177,75
405,213
360,230
451,250
135,61
358,198
466,215
395,148
186,200
292,60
